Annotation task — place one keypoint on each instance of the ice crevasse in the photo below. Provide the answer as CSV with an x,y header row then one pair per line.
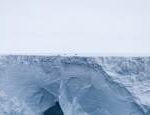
x,y
30,85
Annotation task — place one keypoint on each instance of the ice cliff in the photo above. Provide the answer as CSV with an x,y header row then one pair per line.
x,y
29,85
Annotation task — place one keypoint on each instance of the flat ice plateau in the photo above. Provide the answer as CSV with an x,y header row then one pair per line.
x,y
29,85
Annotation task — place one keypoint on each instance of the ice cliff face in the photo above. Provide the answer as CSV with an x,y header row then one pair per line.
x,y
29,85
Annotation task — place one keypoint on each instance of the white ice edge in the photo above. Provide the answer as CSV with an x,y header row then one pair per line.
x,y
77,54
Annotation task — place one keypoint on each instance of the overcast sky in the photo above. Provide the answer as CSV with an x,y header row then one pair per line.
x,y
75,26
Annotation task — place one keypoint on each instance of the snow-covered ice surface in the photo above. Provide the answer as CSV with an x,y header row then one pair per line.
x,y
29,85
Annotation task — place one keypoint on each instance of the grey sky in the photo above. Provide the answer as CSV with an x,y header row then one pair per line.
x,y
81,26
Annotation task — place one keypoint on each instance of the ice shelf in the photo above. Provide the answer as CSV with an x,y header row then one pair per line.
x,y
32,85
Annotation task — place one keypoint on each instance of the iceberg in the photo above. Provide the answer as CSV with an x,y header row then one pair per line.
x,y
74,85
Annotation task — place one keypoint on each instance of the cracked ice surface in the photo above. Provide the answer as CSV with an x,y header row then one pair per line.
x,y
29,85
